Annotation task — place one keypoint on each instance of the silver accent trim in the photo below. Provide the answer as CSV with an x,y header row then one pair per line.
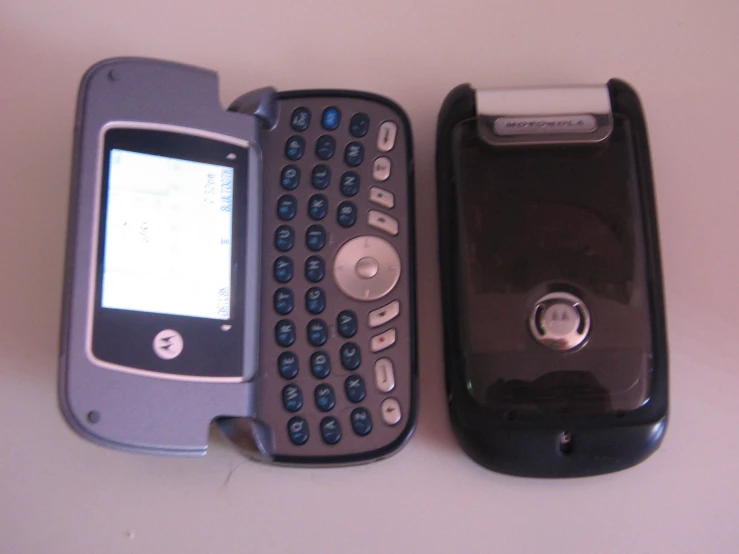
x,y
569,331
366,289
544,115
94,240
507,126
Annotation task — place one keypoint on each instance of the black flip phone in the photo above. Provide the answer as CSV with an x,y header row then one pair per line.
x,y
554,327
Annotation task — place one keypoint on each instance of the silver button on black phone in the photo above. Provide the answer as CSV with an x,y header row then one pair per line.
x,y
560,321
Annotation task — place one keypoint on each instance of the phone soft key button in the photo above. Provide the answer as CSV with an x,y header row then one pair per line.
x,y
383,315
390,411
383,340
386,136
383,222
384,375
382,197
381,169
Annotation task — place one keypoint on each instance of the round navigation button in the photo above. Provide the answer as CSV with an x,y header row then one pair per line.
x,y
168,344
366,268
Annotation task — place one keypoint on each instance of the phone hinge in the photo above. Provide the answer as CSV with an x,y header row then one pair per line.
x,y
544,115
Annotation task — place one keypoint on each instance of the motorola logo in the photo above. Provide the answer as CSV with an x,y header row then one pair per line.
x,y
168,344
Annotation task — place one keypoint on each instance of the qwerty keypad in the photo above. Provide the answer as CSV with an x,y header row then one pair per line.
x,y
315,223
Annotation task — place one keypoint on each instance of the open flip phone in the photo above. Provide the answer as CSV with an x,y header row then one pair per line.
x,y
253,266
555,340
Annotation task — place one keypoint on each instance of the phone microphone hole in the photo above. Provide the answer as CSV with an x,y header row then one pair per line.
x,y
93,416
565,442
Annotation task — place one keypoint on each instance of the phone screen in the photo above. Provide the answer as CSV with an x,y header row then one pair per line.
x,y
538,219
171,244
168,236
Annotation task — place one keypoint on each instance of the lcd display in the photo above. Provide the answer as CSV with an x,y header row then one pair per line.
x,y
168,236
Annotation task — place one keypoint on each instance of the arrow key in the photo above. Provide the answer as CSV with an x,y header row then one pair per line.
x,y
390,411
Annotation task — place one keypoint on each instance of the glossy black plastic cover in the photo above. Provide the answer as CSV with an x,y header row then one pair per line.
x,y
505,241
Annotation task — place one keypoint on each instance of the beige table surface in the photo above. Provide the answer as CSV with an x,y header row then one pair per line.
x,y
60,494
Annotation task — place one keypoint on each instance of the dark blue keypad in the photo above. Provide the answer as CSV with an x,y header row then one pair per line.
x,y
359,125
349,184
351,358
315,269
290,177
292,398
331,118
287,365
295,148
283,269
346,214
346,322
283,301
320,364
315,237
297,430
330,430
315,300
284,238
326,147
285,332
300,119
320,177
287,207
317,332
361,421
317,206
325,397
354,388
354,154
